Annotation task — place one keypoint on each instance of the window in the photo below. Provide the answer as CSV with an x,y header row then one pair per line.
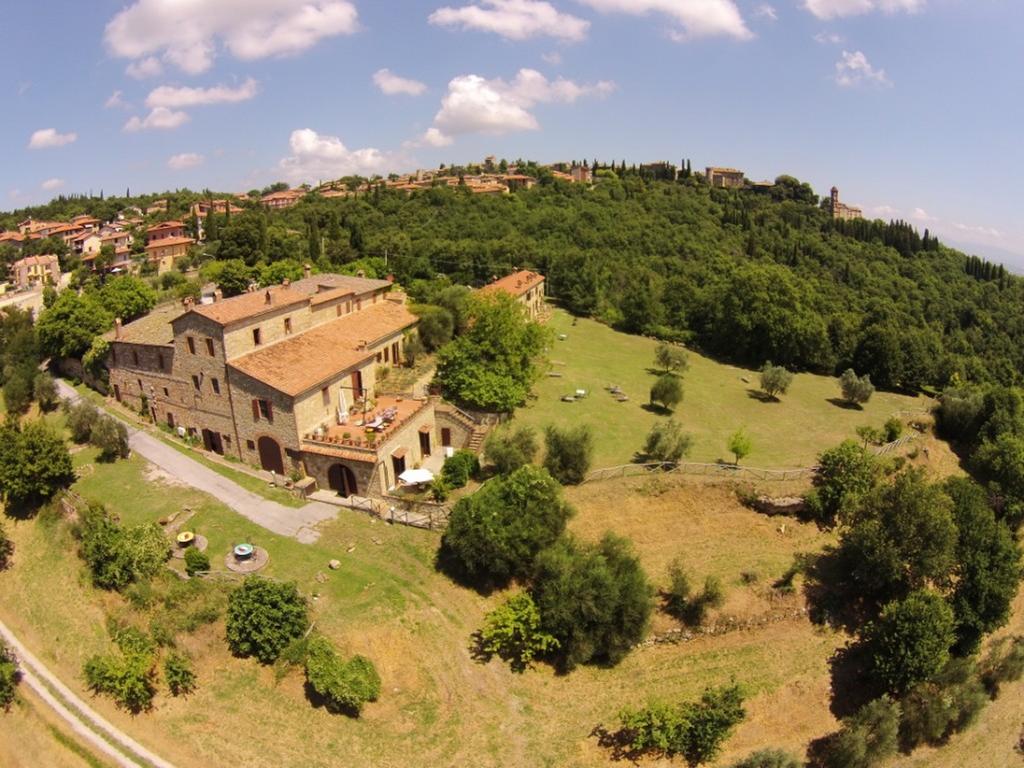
x,y
163,362
337,309
250,445
195,383
380,356
191,345
325,395
287,325
387,357
209,347
141,388
226,439
262,409
256,338
135,357
216,386
166,393
359,304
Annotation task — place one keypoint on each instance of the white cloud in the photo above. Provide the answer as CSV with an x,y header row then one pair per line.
x,y
854,69
160,118
977,230
46,138
429,138
831,9
186,33
920,214
765,11
885,212
474,104
696,18
116,101
145,68
392,84
554,58
828,38
316,158
184,160
51,184
513,19
171,98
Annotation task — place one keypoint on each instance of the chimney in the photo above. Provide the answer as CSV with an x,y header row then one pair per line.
x,y
307,270
286,282
188,303
267,297
218,294
117,327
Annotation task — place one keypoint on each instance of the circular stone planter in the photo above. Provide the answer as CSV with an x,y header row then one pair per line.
x,y
259,558
198,542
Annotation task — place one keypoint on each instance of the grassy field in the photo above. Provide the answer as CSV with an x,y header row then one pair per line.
x,y
31,735
717,401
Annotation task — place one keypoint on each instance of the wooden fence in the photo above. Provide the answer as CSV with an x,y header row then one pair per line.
x,y
420,514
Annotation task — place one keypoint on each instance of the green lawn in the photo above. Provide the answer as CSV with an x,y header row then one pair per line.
x,y
717,401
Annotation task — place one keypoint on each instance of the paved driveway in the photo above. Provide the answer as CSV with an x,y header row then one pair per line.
x,y
299,523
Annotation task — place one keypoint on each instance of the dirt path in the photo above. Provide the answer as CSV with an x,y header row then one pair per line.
x,y
88,724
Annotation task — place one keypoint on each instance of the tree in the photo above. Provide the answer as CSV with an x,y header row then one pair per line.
x,y
867,737
68,328
492,365
568,453
111,437
512,631
459,468
935,710
344,686
667,443
196,561
10,675
45,392
695,730
775,380
768,758
179,674
128,677
667,390
987,573
856,389
263,617
845,474
127,297
910,641
495,534
117,555
81,417
412,348
436,326
34,463
233,277
594,599
508,449
671,358
739,444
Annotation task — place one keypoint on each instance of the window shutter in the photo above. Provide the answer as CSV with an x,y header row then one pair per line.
x,y
270,411
255,410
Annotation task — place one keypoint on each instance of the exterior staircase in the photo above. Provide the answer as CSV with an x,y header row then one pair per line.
x,y
476,438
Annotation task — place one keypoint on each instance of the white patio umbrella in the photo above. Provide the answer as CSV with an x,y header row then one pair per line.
x,y
342,407
416,476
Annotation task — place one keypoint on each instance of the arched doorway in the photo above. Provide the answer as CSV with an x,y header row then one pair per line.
x,y
342,479
270,455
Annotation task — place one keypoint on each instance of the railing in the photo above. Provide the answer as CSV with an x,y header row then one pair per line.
x,y
430,515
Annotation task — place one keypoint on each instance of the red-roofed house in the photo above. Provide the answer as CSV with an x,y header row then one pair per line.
x,y
526,286
36,270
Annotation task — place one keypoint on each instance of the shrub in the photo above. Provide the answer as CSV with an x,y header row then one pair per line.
x,y
680,601
667,390
739,444
111,437
512,631
179,674
935,710
893,428
45,391
568,453
1003,664
870,435
846,473
775,380
866,738
459,468
666,442
594,599
677,596
508,450
695,730
118,556
344,686
128,677
769,758
671,358
263,617
6,548
856,389
495,534
81,417
196,561
440,490
9,676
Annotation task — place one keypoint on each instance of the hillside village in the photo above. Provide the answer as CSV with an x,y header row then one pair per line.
x,y
424,463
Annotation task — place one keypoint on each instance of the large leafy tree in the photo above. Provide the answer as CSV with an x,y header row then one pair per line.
x,y
67,328
34,463
127,297
263,617
910,641
493,364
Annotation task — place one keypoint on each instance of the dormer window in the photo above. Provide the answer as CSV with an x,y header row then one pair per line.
x,y
257,337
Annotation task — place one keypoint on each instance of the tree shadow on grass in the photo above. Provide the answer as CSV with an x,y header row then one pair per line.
x,y
317,701
832,599
764,397
853,685
658,410
448,563
619,743
846,405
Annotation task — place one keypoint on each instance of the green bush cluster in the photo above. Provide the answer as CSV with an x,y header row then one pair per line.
x,y
513,632
568,453
263,617
118,555
344,686
196,561
460,468
9,676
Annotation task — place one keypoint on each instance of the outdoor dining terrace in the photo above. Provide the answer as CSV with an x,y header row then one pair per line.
x,y
369,425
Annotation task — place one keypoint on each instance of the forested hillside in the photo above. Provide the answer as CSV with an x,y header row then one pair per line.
x,y
748,275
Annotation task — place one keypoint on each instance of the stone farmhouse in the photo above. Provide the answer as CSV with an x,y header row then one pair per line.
x,y
525,286
287,379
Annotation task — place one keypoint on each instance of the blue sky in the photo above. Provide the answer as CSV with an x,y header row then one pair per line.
x,y
912,107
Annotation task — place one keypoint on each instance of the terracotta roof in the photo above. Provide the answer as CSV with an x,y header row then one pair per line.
x,y
170,241
153,328
248,305
331,450
301,362
516,284
166,225
15,236
318,284
31,261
